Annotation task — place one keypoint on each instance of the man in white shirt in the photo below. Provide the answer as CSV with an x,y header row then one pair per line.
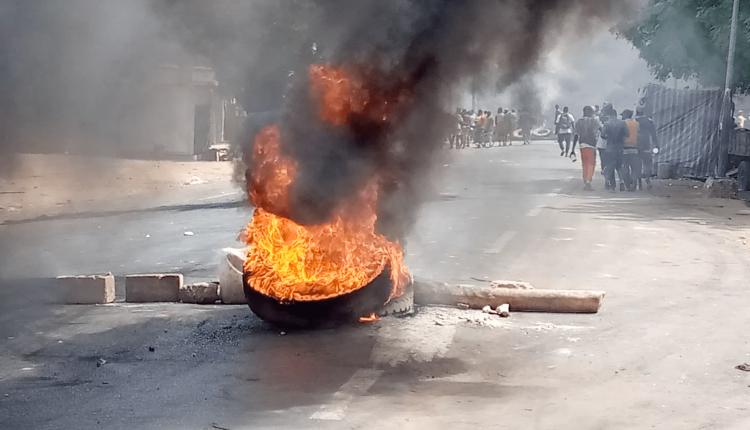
x,y
564,125
741,119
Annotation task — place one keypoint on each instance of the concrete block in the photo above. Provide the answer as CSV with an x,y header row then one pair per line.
x,y
153,288
88,290
231,290
202,293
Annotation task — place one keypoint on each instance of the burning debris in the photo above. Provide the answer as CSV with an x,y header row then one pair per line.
x,y
294,263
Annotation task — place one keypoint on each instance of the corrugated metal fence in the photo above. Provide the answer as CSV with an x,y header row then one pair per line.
x,y
687,124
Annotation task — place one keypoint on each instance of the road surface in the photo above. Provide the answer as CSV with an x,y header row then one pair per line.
x,y
661,353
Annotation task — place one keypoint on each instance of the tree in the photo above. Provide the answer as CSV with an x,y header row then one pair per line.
x,y
690,38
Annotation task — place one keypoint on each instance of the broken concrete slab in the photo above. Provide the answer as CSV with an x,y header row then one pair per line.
x,y
428,292
153,288
88,290
202,293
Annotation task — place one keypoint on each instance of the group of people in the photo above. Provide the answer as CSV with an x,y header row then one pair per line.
x,y
625,146
481,126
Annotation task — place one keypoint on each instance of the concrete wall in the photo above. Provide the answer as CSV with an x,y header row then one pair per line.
x,y
169,114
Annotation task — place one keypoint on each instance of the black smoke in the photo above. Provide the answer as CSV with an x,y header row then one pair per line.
x,y
72,75
429,48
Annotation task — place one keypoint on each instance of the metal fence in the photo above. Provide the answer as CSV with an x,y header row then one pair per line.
x,y
687,124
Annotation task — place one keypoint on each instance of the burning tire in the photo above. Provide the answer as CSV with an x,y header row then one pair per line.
x,y
399,305
327,313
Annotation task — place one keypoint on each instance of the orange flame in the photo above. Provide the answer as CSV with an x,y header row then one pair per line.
x,y
371,318
289,261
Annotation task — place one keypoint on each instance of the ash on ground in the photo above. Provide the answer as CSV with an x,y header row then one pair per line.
x,y
447,316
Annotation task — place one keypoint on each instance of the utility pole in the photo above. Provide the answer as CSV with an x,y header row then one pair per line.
x,y
726,108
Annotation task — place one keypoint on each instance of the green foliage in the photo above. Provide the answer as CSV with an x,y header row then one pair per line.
x,y
690,38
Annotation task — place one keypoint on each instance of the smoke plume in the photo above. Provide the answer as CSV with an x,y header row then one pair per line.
x,y
74,76
426,49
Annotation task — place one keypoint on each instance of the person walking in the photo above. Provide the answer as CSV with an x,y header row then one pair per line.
x,y
631,162
479,128
500,127
607,112
615,131
508,134
741,120
587,132
646,138
526,122
513,123
564,126
489,127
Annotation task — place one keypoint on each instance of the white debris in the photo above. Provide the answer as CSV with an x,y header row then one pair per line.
x,y
195,181
189,233
503,310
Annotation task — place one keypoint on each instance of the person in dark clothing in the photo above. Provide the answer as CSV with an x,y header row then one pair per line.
x,y
615,131
631,164
607,112
500,126
646,138
526,122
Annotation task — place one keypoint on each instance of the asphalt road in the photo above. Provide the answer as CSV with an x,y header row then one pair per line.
x,y
660,354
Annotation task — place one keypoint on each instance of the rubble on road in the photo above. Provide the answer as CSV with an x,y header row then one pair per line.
x,y
721,188
503,310
196,181
447,316
515,285
202,293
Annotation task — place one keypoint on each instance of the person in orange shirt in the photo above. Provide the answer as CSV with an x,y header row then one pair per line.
x,y
631,162
587,133
479,131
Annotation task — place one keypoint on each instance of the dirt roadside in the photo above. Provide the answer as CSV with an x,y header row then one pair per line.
x,y
44,184
692,194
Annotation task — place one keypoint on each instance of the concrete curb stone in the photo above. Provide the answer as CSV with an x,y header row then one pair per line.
x,y
88,290
153,288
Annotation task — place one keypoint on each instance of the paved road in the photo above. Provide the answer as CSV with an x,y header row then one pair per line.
x,y
660,354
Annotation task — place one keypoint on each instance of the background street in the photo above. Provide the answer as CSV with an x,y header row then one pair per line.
x,y
660,354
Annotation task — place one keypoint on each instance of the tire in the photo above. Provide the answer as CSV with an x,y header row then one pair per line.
x,y
541,133
326,313
743,176
489,144
399,305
